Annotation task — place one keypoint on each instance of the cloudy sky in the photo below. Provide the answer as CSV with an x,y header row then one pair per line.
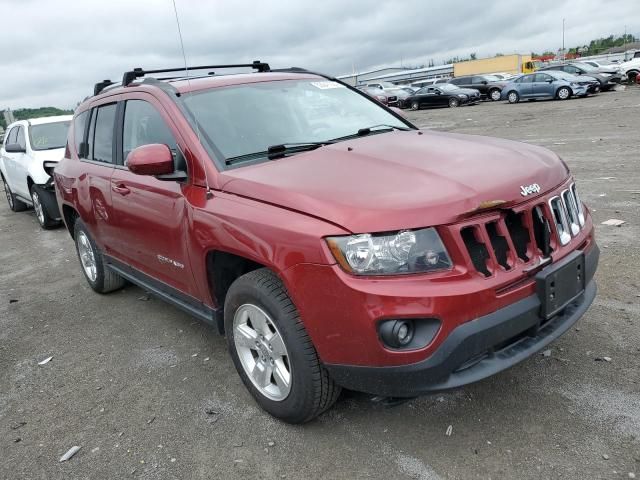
x,y
52,52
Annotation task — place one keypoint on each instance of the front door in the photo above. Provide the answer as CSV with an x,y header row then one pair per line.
x,y
151,214
542,85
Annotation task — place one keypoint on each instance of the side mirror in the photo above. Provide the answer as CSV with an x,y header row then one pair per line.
x,y
153,159
550,80
484,82
14,148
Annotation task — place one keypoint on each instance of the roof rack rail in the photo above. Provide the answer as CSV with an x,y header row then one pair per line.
x,y
100,86
131,75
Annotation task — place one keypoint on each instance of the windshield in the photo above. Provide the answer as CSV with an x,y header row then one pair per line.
x,y
585,66
247,119
48,136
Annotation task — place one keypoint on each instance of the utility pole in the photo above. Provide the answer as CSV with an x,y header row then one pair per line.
x,y
624,39
563,52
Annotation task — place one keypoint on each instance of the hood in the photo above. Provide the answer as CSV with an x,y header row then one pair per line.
x,y
399,180
54,155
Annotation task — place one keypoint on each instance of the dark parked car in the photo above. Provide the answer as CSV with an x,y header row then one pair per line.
x,y
488,85
444,95
607,80
383,97
551,84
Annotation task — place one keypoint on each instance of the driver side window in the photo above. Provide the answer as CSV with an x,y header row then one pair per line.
x,y
143,125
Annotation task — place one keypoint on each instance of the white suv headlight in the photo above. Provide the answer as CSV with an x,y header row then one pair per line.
x,y
407,251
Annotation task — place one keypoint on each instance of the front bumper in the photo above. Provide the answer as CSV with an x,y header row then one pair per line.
x,y
476,349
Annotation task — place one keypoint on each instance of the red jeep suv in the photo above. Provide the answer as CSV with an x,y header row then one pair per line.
x,y
332,241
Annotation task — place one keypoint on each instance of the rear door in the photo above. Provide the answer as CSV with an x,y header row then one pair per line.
x,y
96,155
526,86
151,214
542,85
7,157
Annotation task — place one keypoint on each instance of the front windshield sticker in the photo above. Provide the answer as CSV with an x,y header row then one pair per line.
x,y
326,85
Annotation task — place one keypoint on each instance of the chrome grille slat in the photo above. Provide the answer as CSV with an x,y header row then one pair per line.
x,y
565,211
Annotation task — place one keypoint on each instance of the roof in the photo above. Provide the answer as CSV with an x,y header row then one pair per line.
x,y
184,85
43,120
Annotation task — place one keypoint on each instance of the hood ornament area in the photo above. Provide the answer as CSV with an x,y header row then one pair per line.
x,y
526,190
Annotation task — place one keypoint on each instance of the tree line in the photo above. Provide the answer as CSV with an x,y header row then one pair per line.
x,y
27,113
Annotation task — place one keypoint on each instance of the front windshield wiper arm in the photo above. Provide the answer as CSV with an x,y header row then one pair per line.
x,y
367,130
278,151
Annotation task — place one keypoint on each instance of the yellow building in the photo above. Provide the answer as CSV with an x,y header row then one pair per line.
x,y
503,64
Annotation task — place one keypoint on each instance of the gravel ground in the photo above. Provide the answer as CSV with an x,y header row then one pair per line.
x,y
147,392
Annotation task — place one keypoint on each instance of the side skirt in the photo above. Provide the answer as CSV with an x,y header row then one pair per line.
x,y
210,316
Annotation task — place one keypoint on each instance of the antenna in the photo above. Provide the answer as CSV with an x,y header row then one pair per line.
x,y
186,69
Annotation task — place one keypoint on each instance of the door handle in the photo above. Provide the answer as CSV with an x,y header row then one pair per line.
x,y
121,189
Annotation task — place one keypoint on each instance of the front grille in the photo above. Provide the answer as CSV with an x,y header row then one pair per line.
x,y
392,99
500,241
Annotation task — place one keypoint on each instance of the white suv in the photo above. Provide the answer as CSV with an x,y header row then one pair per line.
x,y
29,146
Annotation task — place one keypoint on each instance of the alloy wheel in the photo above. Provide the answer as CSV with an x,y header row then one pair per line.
x,y
87,256
37,206
262,352
415,106
563,93
495,95
513,97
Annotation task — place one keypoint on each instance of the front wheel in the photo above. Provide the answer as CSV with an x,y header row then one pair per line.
x,y
564,93
454,102
44,219
513,97
495,94
272,352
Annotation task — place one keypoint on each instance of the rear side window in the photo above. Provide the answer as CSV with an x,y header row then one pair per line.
x,y
102,138
527,79
11,136
457,81
477,80
79,129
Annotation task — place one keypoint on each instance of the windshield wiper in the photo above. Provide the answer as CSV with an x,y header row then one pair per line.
x,y
380,128
278,151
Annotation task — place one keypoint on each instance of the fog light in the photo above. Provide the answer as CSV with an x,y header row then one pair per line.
x,y
397,333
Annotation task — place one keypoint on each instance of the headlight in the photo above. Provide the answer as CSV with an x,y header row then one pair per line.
x,y
407,251
462,95
606,75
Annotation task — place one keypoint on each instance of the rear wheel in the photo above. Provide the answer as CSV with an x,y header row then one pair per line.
x,y
563,93
513,97
632,76
272,352
42,215
100,278
415,105
14,204
454,102
494,94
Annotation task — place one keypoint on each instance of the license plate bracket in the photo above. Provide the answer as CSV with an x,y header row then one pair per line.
x,y
561,283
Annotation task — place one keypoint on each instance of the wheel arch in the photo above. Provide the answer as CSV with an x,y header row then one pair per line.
x,y
224,268
70,215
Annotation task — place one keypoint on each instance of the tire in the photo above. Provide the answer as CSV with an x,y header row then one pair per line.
x,y
632,76
257,313
415,106
513,97
100,278
15,205
563,93
495,94
42,215
454,102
